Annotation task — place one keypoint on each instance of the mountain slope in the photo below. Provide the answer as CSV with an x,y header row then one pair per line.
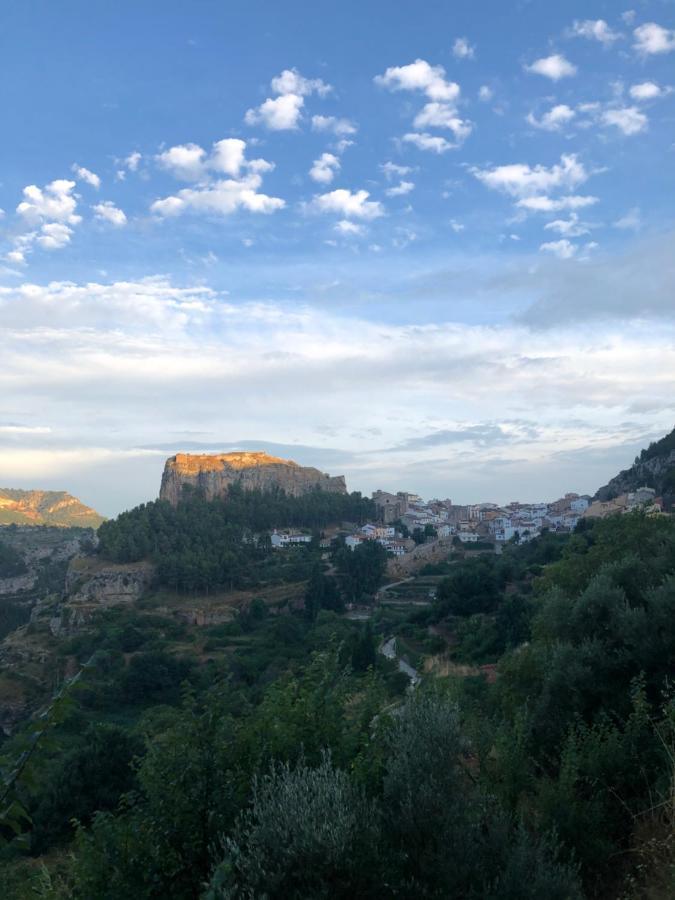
x,y
45,508
654,467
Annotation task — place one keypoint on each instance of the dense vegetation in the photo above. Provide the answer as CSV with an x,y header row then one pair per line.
x,y
206,545
289,763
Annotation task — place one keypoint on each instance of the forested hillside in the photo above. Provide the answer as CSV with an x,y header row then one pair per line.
x,y
289,759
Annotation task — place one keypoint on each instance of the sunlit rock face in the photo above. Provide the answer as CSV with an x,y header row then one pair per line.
x,y
214,473
57,508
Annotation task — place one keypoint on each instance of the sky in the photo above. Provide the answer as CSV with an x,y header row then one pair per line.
x,y
429,246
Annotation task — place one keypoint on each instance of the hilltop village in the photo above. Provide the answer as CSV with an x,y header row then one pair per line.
x,y
405,521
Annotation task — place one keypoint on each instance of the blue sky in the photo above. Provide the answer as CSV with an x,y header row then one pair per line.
x,y
427,245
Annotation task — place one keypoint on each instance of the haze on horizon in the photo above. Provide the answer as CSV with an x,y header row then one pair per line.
x,y
432,249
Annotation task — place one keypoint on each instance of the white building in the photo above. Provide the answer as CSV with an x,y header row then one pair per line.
x,y
282,539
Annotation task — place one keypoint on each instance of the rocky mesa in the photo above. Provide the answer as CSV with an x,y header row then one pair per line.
x,y
214,473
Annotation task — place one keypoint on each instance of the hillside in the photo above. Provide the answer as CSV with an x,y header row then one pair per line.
x,y
58,508
654,467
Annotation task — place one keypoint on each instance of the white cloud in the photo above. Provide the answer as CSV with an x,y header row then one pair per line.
x,y
649,90
292,82
108,212
595,29
628,119
542,203
344,226
653,39
631,221
184,161
212,195
554,119
279,114
443,115
405,187
325,168
456,226
334,125
86,175
485,93
221,198
133,160
628,16
433,143
420,76
554,67
55,202
571,227
462,49
521,180
563,248
351,205
392,170
283,113
54,236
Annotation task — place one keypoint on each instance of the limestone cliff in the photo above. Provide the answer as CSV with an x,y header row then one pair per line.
x,y
214,473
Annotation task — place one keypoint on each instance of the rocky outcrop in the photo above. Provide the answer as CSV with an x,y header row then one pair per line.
x,y
91,582
45,508
654,468
213,474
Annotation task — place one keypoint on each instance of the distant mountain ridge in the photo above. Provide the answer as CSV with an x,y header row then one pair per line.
x,y
654,468
18,507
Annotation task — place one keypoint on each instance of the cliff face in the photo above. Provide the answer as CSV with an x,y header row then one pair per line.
x,y
214,473
45,508
655,468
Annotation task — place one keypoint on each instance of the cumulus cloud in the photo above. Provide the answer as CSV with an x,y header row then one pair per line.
x,y
333,125
325,168
351,205
596,30
485,93
55,202
554,67
442,115
54,236
292,82
277,114
283,113
132,161
420,76
86,175
432,142
49,213
399,190
553,120
462,49
648,90
628,119
108,212
214,194
652,39
522,180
